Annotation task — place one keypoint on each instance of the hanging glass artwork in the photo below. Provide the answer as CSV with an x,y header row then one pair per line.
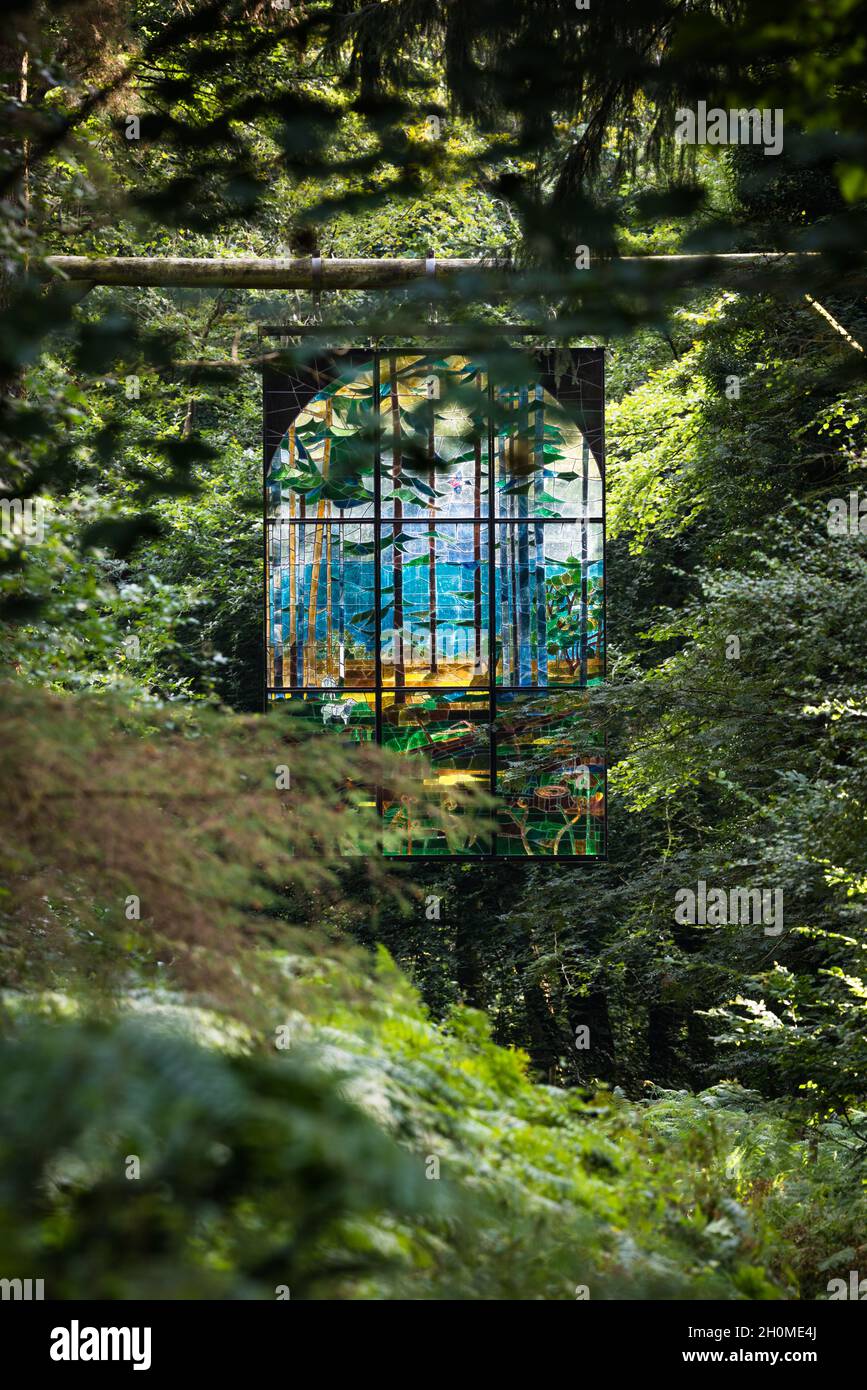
x,y
434,558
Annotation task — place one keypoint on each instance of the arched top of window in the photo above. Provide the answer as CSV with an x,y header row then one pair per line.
x,y
442,434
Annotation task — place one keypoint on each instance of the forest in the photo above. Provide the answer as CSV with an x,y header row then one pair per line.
x,y
556,555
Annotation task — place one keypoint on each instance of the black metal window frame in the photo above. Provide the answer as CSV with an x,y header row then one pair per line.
x,y
271,441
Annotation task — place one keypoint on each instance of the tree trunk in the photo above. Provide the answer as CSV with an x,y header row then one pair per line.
x,y
662,1022
432,546
477,551
318,537
524,672
300,628
328,601
591,1011
293,577
539,544
516,667
341,606
582,618
14,63
546,1043
502,532
467,973
766,269
397,557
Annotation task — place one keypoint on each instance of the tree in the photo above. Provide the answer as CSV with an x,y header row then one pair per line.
x,y
396,533
431,542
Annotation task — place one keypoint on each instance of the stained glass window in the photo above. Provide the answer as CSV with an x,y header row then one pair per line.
x,y
435,582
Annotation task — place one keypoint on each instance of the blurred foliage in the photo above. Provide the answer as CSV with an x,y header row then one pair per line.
x,y
315,1170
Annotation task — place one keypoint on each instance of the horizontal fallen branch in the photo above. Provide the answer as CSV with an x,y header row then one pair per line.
x,y
725,270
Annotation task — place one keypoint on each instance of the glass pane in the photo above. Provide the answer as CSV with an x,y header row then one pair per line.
x,y
346,714
544,463
551,777
447,737
321,604
350,717
435,603
323,463
434,436
549,603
